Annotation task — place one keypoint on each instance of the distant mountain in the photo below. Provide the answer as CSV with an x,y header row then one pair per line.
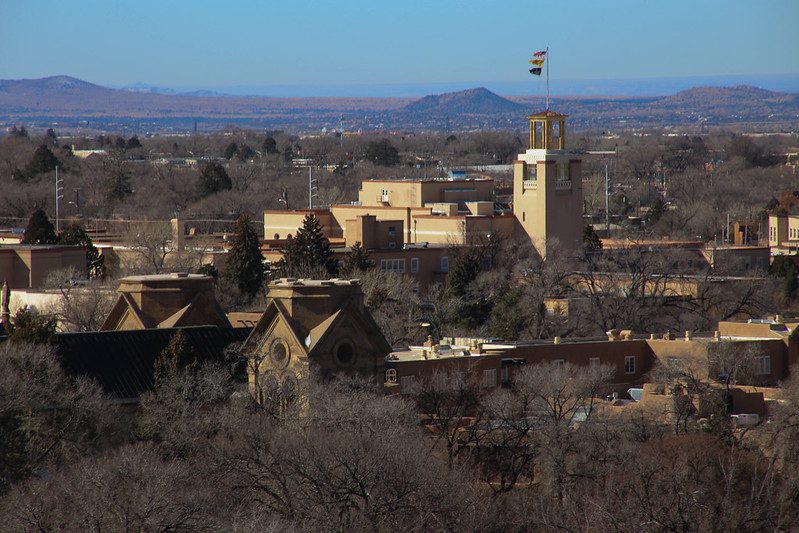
x,y
49,86
70,102
478,101
736,95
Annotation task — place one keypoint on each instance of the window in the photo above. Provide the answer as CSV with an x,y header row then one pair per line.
x,y
279,353
763,365
414,265
392,231
392,265
594,362
629,364
391,376
344,354
392,244
445,264
490,378
277,236
559,362
408,384
532,171
523,216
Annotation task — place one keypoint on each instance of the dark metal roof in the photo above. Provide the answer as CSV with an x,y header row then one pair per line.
x,y
122,361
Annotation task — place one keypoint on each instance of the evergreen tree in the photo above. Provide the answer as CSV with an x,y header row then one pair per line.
x,y
40,230
19,132
43,161
464,271
245,264
50,136
32,327
133,142
230,150
357,260
178,355
784,267
245,153
119,185
591,241
270,146
309,250
382,153
656,210
213,179
75,235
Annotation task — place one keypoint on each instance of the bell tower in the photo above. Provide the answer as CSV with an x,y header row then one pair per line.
x,y
547,186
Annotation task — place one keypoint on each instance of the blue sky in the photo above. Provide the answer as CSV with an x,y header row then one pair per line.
x,y
205,43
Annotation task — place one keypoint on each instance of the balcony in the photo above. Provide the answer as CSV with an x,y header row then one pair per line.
x,y
529,185
563,185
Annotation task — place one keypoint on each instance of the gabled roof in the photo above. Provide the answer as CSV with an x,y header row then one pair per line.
x,y
123,307
122,361
274,311
317,334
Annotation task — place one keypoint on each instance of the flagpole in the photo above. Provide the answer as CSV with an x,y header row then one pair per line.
x,y
547,61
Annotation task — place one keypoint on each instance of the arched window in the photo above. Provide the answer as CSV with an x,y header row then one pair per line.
x,y
277,236
391,376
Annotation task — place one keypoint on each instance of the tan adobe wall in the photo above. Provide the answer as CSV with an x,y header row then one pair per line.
x,y
285,223
429,260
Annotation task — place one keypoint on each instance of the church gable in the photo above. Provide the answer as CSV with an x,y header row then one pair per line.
x,y
349,345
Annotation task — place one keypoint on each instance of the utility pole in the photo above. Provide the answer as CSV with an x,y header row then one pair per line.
x,y
341,130
311,188
58,197
607,191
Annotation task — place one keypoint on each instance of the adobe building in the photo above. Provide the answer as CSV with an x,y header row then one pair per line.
x,y
165,301
409,225
547,186
313,326
26,266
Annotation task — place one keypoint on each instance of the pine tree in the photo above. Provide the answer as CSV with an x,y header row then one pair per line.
x,y
213,179
245,267
40,230
75,235
591,241
43,161
309,250
230,150
32,327
357,260
382,152
270,146
178,355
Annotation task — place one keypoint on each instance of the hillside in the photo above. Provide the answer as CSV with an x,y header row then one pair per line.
x,y
73,103
742,95
470,101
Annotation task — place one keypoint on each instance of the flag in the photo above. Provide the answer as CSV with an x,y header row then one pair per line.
x,y
535,71
536,62
540,53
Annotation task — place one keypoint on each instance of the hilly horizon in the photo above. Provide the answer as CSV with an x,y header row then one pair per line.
x,y
64,98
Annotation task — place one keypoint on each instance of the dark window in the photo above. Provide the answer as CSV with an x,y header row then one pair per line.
x,y
345,353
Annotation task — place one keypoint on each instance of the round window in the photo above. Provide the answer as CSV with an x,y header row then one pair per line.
x,y
279,353
345,353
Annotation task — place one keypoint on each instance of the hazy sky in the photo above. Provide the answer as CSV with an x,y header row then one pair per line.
x,y
232,42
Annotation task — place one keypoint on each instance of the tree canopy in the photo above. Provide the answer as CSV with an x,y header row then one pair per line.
x,y
40,230
245,268
43,161
75,235
309,250
382,153
214,178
